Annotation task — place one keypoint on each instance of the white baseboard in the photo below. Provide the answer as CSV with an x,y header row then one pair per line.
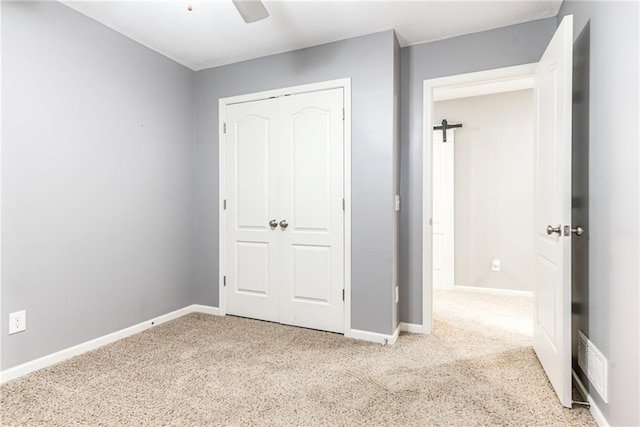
x,y
412,328
395,335
596,413
357,334
494,291
206,309
68,353
76,350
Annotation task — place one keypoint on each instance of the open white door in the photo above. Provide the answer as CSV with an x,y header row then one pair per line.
x,y
552,287
443,215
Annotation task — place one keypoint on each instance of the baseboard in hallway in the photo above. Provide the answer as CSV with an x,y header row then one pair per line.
x,y
494,291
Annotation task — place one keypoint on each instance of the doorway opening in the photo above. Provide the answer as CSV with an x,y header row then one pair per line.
x,y
552,81
479,198
483,211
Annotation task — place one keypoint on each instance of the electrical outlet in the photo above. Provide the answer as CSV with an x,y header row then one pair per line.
x,y
495,264
17,321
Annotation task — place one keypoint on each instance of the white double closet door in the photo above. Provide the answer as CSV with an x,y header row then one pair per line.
x,y
284,216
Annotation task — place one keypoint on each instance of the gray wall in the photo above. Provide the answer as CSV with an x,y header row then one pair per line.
x,y
518,44
368,61
97,174
493,197
614,185
97,201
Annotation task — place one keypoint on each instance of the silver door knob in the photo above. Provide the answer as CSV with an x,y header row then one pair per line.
x,y
273,223
578,231
551,230
283,224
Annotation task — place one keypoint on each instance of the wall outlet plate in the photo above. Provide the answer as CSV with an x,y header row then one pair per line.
x,y
17,321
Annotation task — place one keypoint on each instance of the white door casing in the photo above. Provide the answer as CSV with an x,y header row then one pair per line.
x,y
443,252
311,172
552,284
284,162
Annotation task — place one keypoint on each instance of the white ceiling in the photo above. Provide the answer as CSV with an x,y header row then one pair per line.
x,y
213,33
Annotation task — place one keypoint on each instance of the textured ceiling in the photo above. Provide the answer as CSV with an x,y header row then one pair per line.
x,y
213,33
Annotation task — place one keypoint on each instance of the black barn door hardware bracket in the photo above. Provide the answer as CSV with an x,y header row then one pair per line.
x,y
444,126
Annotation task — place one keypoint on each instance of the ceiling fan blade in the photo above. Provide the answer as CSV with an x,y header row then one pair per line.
x,y
251,10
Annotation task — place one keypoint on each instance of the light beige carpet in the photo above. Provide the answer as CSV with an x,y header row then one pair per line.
x,y
208,370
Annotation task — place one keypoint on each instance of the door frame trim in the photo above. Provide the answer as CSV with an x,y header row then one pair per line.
x,y
451,87
345,84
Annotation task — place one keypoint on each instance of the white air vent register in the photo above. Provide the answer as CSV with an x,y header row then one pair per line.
x,y
593,364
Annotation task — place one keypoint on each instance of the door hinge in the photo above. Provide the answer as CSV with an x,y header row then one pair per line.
x,y
224,204
224,128
343,204
343,295
343,114
224,280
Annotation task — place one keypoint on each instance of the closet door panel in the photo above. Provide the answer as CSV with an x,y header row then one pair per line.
x,y
252,247
312,190
284,232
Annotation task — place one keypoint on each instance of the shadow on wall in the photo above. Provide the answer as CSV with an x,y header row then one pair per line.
x,y
580,190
